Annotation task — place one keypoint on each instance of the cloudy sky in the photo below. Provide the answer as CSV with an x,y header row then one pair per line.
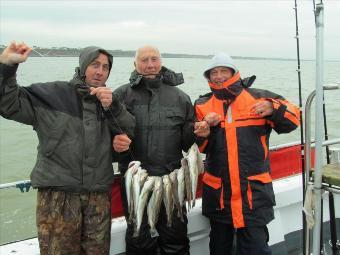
x,y
240,28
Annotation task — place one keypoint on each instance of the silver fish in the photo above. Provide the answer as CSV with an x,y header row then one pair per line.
x,y
193,169
174,185
138,180
167,198
200,164
142,200
133,167
181,187
187,181
154,205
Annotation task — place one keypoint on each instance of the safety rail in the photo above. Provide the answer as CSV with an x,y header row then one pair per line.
x,y
24,186
312,182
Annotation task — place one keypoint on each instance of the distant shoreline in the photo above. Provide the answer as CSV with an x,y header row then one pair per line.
x,y
74,52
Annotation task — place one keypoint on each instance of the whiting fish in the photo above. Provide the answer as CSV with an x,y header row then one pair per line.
x,y
133,167
193,169
181,188
187,181
138,180
172,189
167,198
174,185
142,200
200,164
154,205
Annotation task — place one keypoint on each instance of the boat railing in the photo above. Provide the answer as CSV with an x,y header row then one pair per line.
x,y
317,182
25,185
308,139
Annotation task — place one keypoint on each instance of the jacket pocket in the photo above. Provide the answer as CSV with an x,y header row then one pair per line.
x,y
174,117
260,191
212,193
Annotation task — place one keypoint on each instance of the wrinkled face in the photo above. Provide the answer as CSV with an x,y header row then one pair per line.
x,y
98,71
219,75
148,62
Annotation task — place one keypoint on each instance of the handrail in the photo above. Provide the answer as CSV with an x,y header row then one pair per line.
x,y
22,185
308,139
308,143
285,145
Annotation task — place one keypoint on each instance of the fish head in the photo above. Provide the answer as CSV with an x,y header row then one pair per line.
x,y
134,164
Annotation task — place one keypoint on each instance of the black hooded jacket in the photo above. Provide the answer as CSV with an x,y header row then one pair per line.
x,y
164,121
74,131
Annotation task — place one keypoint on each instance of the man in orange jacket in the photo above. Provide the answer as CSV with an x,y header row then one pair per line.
x,y
238,195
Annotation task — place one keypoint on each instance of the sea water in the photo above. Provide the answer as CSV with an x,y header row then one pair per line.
x,y
18,142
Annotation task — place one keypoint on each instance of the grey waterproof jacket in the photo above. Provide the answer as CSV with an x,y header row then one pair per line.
x,y
164,121
74,131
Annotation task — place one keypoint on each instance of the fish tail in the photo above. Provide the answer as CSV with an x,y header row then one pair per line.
x,y
130,218
169,224
136,233
180,211
154,232
182,219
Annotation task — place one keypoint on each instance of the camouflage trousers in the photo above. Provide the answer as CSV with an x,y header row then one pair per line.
x,y
73,223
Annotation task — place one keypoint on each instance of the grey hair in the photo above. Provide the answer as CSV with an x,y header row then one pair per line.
x,y
146,47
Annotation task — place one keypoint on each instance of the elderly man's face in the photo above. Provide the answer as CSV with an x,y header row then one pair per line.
x,y
148,62
98,71
219,75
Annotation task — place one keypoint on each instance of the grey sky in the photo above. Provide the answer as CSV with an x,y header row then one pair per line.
x,y
242,28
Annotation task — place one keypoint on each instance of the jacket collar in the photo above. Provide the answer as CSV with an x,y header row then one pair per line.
x,y
166,75
231,88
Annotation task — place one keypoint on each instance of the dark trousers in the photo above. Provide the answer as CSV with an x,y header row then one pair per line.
x,y
249,240
171,240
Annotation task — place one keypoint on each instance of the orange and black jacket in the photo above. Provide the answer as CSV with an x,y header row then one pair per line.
x,y
237,183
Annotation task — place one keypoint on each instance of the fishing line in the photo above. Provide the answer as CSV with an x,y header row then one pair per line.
x,y
117,125
121,131
40,54
304,226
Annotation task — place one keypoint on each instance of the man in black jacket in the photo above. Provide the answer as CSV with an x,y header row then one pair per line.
x,y
164,127
74,122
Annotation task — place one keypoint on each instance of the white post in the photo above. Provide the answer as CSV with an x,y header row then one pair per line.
x,y
319,129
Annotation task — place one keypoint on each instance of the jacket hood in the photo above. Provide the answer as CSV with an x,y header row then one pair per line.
x,y
168,77
220,59
87,55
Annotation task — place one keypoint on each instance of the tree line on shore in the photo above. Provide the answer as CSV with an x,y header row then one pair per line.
x,y
74,52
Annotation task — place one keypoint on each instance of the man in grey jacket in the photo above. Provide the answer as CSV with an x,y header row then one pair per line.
x,y
74,122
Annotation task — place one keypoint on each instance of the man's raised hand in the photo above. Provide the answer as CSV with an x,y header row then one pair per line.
x,y
15,53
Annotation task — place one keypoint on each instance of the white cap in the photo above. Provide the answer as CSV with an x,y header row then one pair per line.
x,y
220,59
